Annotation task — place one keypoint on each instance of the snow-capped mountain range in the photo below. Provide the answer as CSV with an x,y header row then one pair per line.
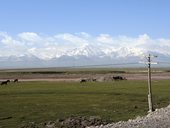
x,y
85,55
29,49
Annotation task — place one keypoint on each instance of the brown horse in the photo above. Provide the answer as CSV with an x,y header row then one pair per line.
x,y
16,81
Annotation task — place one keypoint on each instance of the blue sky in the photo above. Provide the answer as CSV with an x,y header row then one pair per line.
x,y
114,17
49,29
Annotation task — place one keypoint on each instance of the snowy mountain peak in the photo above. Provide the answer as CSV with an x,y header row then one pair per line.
x,y
86,50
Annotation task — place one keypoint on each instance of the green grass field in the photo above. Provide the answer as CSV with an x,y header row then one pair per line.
x,y
43,101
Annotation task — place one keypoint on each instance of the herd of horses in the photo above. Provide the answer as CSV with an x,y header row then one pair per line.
x,y
115,78
88,80
8,81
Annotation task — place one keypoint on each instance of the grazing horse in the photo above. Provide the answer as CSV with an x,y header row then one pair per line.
x,y
94,80
8,81
5,82
118,78
16,80
83,80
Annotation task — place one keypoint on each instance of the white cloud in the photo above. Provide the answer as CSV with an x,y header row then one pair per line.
x,y
10,46
29,36
84,35
73,39
47,47
105,38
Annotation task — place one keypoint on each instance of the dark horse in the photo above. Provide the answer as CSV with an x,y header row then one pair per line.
x,y
16,80
83,80
5,82
118,78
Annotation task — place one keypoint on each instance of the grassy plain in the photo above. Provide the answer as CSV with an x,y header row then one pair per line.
x,y
43,101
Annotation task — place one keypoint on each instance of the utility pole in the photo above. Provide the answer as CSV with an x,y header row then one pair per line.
x,y
150,103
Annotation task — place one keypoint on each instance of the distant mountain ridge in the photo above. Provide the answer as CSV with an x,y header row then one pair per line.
x,y
85,55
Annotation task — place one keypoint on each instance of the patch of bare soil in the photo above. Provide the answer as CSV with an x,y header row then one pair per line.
x,y
71,122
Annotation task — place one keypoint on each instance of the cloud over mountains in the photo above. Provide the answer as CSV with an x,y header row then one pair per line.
x,y
71,49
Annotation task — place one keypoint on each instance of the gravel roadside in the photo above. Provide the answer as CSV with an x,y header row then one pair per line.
x,y
160,118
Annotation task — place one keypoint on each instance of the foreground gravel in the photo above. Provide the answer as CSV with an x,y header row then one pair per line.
x,y
160,118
